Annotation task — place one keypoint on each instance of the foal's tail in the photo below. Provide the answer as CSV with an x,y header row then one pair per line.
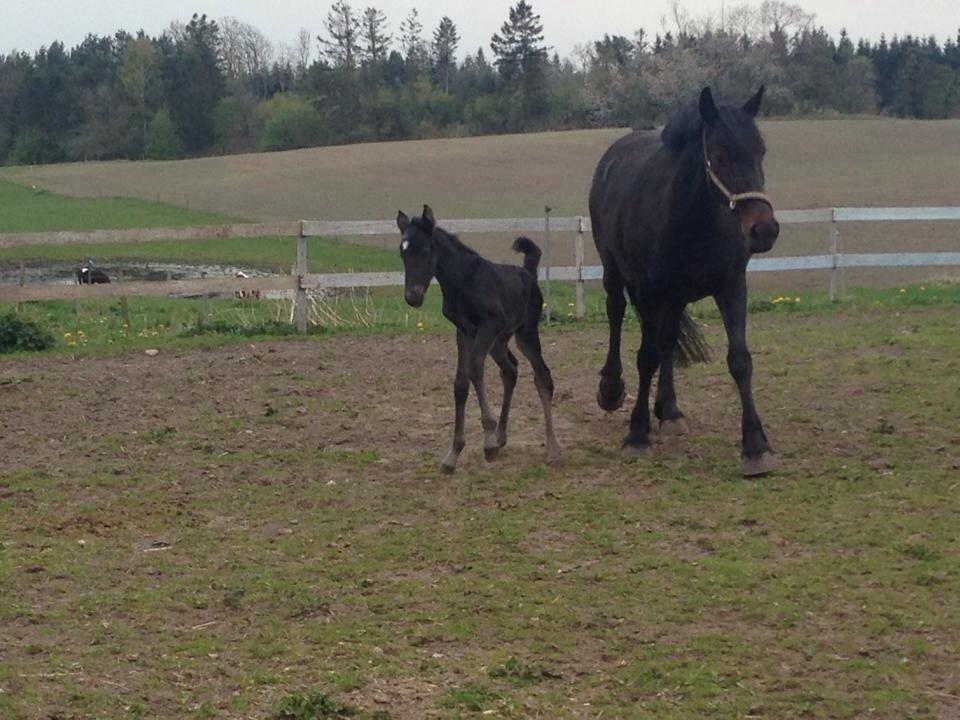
x,y
531,254
691,346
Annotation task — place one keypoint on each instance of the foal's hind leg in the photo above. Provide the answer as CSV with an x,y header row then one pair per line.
x,y
483,342
612,393
461,388
508,373
529,343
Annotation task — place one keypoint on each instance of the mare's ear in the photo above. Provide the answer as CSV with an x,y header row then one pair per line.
x,y
428,218
403,222
752,106
708,108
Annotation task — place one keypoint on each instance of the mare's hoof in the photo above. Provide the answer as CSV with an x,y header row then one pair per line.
x,y
632,452
490,453
762,465
677,426
611,402
553,456
447,469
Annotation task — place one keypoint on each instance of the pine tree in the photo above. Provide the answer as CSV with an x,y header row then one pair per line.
x,y
373,32
446,39
343,27
518,46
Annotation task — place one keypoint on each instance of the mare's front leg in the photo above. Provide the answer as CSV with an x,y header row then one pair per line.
x,y
508,374
461,388
757,456
483,342
611,393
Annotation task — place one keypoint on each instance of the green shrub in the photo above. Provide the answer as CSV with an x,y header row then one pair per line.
x,y
163,142
311,705
289,122
18,334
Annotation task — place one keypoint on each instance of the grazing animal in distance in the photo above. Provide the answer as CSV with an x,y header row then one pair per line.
x,y
89,275
245,294
675,219
488,303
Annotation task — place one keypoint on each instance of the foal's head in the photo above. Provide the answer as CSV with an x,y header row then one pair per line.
x,y
733,152
418,254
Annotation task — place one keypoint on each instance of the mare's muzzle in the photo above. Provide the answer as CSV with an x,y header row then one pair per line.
x,y
763,235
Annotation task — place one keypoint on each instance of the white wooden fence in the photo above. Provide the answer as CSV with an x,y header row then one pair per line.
x,y
301,282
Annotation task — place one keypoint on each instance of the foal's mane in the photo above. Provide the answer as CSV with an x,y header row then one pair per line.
x,y
448,236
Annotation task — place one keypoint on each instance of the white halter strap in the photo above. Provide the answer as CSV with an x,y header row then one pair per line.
x,y
732,198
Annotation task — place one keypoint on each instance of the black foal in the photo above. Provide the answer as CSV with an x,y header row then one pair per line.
x,y
488,303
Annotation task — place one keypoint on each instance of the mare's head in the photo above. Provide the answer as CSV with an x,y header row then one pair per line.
x,y
731,150
418,254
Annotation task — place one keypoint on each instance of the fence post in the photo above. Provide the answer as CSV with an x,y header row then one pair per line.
x,y
581,308
546,241
300,303
836,272
204,305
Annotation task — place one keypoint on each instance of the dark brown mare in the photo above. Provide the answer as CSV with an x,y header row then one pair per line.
x,y
488,303
676,219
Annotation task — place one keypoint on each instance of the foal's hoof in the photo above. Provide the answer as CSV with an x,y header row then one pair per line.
x,y
553,456
677,426
630,451
762,465
611,400
447,469
490,453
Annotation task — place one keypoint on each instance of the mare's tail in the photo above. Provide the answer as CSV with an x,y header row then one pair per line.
x,y
531,254
691,347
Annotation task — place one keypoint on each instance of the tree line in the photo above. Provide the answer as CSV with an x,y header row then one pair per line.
x,y
220,86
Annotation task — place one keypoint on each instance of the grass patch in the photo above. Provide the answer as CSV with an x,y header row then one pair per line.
x,y
25,209
311,705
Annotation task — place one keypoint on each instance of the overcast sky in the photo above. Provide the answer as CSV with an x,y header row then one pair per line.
x,y
30,24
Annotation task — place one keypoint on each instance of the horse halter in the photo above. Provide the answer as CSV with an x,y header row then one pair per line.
x,y
732,198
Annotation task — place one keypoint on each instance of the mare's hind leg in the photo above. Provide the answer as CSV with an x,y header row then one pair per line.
x,y
637,441
508,373
611,393
461,388
528,340
665,408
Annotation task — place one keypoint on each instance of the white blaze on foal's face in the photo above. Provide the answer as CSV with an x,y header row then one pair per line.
x,y
404,246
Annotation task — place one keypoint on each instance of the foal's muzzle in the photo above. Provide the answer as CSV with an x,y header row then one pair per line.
x,y
414,296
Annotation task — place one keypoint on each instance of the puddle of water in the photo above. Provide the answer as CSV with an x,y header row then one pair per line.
x,y
66,273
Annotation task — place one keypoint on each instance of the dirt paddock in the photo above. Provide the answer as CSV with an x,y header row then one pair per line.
x,y
201,534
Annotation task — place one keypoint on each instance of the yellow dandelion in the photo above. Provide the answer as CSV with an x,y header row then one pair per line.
x,y
797,300
922,287
420,326
67,336
903,290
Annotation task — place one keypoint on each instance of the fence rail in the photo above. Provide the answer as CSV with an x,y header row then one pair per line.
x,y
300,281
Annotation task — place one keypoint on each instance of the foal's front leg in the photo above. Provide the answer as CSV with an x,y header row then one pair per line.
x,y
758,459
461,388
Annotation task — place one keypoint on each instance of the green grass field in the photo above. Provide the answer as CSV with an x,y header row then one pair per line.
x,y
23,209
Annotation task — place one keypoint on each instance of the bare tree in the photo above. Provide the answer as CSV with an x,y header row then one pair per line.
x,y
139,71
304,51
411,38
246,52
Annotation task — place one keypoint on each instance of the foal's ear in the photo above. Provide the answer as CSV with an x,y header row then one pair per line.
x,y
428,218
708,108
752,106
403,222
